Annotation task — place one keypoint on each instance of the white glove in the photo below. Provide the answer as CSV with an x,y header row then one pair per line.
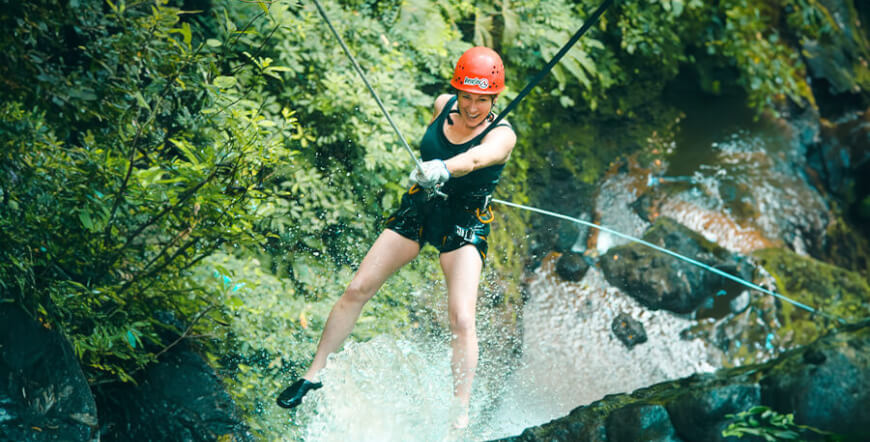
x,y
430,174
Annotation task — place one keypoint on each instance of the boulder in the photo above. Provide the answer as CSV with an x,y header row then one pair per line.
x,y
700,414
659,281
44,395
571,266
826,387
628,330
646,422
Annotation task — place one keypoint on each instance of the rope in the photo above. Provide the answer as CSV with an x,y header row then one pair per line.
x,y
674,254
511,106
368,85
543,73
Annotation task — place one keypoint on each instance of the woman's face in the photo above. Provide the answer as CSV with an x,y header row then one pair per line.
x,y
474,107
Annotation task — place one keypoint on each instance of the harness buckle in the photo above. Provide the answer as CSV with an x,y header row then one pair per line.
x,y
466,234
432,192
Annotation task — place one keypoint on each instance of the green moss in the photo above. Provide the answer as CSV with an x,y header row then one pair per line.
x,y
827,288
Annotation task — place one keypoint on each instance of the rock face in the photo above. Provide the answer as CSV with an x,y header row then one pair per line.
x,y
840,163
179,398
571,266
826,385
835,61
659,281
44,395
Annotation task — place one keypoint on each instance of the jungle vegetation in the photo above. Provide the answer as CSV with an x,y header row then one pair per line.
x,y
215,169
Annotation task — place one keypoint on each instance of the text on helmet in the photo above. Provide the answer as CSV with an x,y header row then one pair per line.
x,y
482,83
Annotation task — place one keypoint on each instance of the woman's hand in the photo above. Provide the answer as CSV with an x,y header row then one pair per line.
x,y
430,174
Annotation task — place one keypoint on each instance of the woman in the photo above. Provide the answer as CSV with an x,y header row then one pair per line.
x,y
463,158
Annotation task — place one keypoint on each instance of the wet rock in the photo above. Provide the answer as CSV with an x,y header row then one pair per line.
x,y
561,189
740,302
659,281
843,148
586,424
837,61
825,287
825,385
636,422
629,330
571,266
179,398
825,388
44,395
646,206
699,414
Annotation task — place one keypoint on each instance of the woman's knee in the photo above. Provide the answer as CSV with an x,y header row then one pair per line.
x,y
462,323
358,291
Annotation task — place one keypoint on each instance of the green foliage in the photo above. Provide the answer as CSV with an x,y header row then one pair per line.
x,y
140,158
765,423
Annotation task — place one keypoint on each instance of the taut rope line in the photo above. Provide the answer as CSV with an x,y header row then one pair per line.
x,y
368,85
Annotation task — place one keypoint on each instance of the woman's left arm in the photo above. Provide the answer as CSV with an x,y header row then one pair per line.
x,y
495,149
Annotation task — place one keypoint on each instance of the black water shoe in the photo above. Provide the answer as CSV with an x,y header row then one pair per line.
x,y
292,396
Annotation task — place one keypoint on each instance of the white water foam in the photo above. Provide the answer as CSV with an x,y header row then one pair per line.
x,y
571,357
395,390
382,390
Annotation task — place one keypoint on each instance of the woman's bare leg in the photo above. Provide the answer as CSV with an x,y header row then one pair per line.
x,y
390,252
462,269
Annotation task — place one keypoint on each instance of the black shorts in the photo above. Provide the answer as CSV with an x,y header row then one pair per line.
x,y
447,224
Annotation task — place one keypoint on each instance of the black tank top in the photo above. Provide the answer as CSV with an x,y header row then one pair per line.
x,y
436,146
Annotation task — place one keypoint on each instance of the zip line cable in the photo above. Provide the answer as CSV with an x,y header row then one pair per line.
x,y
513,104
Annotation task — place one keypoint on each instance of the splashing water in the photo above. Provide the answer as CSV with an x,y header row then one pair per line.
x,y
395,390
571,357
745,193
382,390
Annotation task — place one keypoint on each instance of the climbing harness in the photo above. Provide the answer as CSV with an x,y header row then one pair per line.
x,y
513,104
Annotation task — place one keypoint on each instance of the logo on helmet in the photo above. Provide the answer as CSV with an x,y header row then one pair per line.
x,y
482,83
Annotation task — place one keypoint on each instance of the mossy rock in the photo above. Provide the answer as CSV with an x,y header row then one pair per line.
x,y
830,289
833,371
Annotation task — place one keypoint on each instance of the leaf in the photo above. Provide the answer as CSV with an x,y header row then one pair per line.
x,y
225,81
141,100
131,338
85,218
213,42
185,33
263,7
677,7
185,149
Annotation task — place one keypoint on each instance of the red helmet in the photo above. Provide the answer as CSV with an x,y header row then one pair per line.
x,y
479,71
